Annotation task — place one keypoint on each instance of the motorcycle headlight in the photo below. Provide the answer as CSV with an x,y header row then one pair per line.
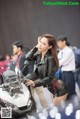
x,y
7,104
11,105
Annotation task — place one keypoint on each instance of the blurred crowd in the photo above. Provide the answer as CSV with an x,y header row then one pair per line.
x,y
68,72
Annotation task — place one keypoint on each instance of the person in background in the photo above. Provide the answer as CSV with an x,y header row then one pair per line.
x,y
7,57
21,58
67,62
76,72
77,61
4,63
7,60
2,68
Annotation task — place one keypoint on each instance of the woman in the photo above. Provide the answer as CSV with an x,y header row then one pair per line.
x,y
46,64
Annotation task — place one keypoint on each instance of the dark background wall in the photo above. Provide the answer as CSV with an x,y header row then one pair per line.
x,y
25,20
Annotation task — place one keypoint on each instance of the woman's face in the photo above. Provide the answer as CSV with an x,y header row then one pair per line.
x,y
43,45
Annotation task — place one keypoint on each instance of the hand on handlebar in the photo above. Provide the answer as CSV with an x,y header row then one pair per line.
x,y
29,82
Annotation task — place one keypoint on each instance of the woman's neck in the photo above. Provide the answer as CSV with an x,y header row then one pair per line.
x,y
43,54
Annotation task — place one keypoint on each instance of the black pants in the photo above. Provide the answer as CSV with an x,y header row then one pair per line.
x,y
68,78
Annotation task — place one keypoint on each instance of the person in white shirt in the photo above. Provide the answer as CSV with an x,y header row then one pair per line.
x,y
67,63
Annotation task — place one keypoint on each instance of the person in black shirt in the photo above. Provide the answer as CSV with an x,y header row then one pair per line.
x,y
45,66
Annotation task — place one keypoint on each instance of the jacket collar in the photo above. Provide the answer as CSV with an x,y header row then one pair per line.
x,y
43,60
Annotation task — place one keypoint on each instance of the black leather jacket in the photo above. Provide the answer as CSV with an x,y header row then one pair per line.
x,y
44,72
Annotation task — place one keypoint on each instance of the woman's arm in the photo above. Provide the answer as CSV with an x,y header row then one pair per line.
x,y
31,53
29,58
32,76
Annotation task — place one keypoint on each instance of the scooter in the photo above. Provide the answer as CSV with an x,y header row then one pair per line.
x,y
14,94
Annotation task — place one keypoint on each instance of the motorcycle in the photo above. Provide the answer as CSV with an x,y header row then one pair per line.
x,y
15,94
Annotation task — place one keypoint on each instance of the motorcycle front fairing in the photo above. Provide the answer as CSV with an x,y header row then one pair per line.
x,y
15,95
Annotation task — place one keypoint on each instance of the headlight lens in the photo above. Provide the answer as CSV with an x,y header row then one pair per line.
x,y
7,104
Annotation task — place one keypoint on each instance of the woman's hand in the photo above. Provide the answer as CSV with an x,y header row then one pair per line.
x,y
30,83
39,38
37,46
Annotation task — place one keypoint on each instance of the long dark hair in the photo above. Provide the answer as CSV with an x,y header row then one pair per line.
x,y
52,42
